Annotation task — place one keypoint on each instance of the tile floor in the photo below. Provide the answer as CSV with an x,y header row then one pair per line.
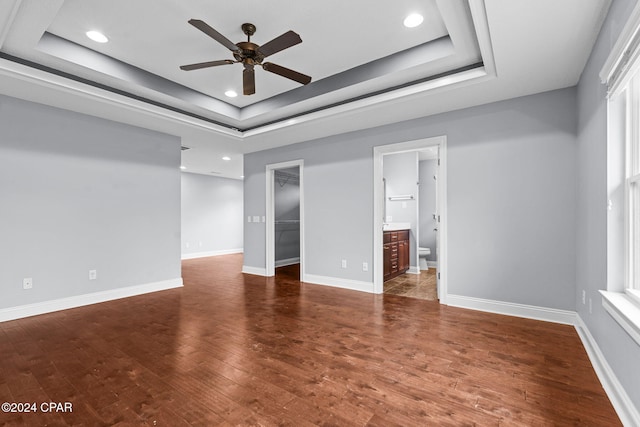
x,y
421,286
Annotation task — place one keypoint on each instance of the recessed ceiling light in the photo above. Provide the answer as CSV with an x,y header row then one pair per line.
x,y
226,158
231,93
97,36
183,167
241,176
413,20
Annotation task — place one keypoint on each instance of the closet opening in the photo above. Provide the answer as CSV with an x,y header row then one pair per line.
x,y
286,208
285,220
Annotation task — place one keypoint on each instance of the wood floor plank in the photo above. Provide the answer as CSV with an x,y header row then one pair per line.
x,y
230,349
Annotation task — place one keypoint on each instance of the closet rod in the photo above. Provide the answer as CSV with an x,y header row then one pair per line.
x,y
407,197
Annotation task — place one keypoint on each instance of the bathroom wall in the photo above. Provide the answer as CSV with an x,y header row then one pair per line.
x,y
427,206
400,172
286,213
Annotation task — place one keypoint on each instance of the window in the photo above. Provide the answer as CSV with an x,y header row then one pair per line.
x,y
632,187
621,74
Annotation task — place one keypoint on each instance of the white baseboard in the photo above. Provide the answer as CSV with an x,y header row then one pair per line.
x,y
413,270
512,309
258,271
336,282
628,413
35,309
288,261
212,253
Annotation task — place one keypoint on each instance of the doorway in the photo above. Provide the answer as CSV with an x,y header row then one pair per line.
x,y
284,220
385,203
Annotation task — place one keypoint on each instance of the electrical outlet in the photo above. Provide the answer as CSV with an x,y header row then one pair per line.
x,y
365,266
27,283
584,297
344,263
93,274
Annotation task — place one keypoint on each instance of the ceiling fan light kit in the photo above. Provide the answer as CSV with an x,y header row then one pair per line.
x,y
250,55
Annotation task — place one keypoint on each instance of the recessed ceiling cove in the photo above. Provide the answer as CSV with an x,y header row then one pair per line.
x,y
352,50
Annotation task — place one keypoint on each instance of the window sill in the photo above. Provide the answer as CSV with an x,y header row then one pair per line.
x,y
625,310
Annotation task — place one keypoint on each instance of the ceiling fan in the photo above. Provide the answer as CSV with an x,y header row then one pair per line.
x,y
250,55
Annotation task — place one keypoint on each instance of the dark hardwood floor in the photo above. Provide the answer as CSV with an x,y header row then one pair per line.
x,y
233,349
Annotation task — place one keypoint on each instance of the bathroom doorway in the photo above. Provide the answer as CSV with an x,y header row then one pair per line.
x,y
284,222
410,208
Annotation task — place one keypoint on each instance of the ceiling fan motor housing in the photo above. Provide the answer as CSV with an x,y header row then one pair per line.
x,y
248,53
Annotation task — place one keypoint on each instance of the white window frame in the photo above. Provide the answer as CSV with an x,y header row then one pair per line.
x,y
621,74
632,179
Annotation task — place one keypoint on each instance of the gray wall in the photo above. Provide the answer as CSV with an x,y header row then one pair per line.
x,y
286,197
400,171
80,193
331,173
427,206
212,214
511,193
621,352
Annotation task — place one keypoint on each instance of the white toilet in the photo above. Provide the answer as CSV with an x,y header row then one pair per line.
x,y
423,253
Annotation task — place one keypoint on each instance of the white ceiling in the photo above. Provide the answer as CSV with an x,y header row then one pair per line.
x,y
367,68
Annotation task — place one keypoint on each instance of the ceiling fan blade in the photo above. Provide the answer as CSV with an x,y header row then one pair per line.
x,y
248,81
205,64
286,72
205,28
282,42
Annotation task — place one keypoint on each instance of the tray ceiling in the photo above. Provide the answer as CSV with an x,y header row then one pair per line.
x,y
368,70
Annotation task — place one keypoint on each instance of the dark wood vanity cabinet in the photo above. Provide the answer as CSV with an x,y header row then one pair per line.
x,y
396,253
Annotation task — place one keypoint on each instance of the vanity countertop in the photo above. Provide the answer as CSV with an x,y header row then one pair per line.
x,y
394,226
